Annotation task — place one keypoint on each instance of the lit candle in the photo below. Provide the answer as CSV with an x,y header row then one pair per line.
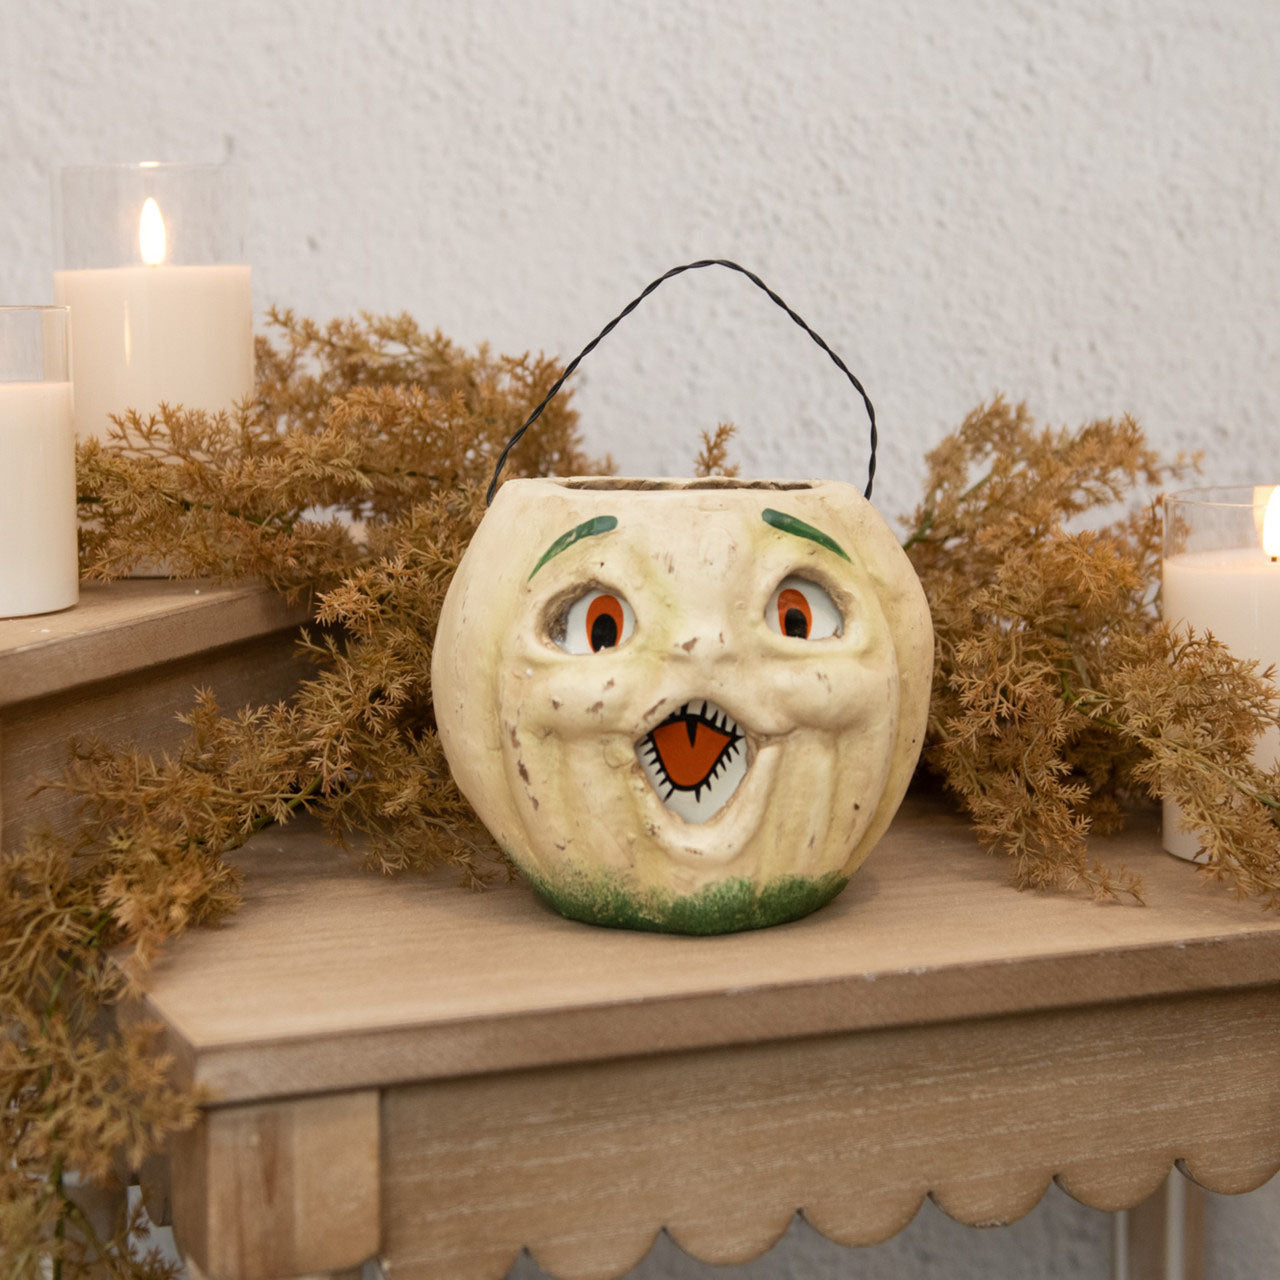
x,y
157,314
38,569
1222,575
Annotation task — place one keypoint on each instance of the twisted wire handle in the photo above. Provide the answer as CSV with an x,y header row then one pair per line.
x,y
633,304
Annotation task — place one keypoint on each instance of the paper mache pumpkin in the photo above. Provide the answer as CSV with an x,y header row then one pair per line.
x,y
683,705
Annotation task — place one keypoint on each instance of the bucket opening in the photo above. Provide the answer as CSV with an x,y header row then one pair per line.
x,y
632,485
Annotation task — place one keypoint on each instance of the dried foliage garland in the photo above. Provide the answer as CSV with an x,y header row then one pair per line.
x,y
1058,696
398,428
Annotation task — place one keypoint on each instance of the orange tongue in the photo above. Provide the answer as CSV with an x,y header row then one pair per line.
x,y
689,750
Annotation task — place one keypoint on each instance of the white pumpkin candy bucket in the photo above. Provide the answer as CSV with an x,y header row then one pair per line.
x,y
683,705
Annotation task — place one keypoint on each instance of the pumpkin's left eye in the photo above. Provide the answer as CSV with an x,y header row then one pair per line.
x,y
597,620
803,610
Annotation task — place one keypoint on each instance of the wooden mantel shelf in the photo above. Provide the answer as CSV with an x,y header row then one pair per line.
x,y
440,1078
121,667
333,978
119,628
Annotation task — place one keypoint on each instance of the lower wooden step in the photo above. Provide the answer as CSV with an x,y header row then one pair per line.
x,y
121,666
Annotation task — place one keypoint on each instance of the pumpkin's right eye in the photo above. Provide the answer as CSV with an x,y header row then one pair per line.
x,y
803,610
596,620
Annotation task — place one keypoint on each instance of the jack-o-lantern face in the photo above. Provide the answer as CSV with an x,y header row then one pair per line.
x,y
683,705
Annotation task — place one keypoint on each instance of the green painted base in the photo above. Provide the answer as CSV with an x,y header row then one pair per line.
x,y
727,907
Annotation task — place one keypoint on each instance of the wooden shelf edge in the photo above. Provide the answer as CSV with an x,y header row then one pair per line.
x,y
289,1067
122,627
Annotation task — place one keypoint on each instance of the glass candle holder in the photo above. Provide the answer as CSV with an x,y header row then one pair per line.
x,y
1221,574
150,259
38,568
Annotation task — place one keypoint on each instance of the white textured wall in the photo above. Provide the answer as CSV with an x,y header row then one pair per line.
x,y
1074,202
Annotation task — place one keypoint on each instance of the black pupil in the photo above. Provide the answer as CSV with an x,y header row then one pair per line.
x,y
604,632
794,624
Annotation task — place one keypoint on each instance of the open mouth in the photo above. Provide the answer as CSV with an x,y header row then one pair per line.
x,y
695,760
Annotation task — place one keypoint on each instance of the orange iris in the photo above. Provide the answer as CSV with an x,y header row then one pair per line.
x,y
604,622
795,618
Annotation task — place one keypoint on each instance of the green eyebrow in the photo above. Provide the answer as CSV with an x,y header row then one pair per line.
x,y
790,524
587,529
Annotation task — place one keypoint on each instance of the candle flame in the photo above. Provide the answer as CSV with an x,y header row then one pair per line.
x,y
1271,525
151,234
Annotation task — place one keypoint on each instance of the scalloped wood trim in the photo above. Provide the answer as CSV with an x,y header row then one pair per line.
x,y
585,1164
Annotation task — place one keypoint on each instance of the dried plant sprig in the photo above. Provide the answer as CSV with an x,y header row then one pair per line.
x,y
371,417
1059,696
1196,713
713,458
365,417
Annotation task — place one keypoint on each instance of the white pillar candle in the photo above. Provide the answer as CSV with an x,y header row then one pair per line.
x,y
150,263
1233,592
38,569
146,334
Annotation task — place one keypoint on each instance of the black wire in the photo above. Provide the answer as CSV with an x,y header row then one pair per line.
x,y
632,305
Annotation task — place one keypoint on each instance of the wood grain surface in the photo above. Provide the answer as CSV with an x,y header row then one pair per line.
x,y
120,667
279,1189
722,1146
139,707
333,978
129,626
